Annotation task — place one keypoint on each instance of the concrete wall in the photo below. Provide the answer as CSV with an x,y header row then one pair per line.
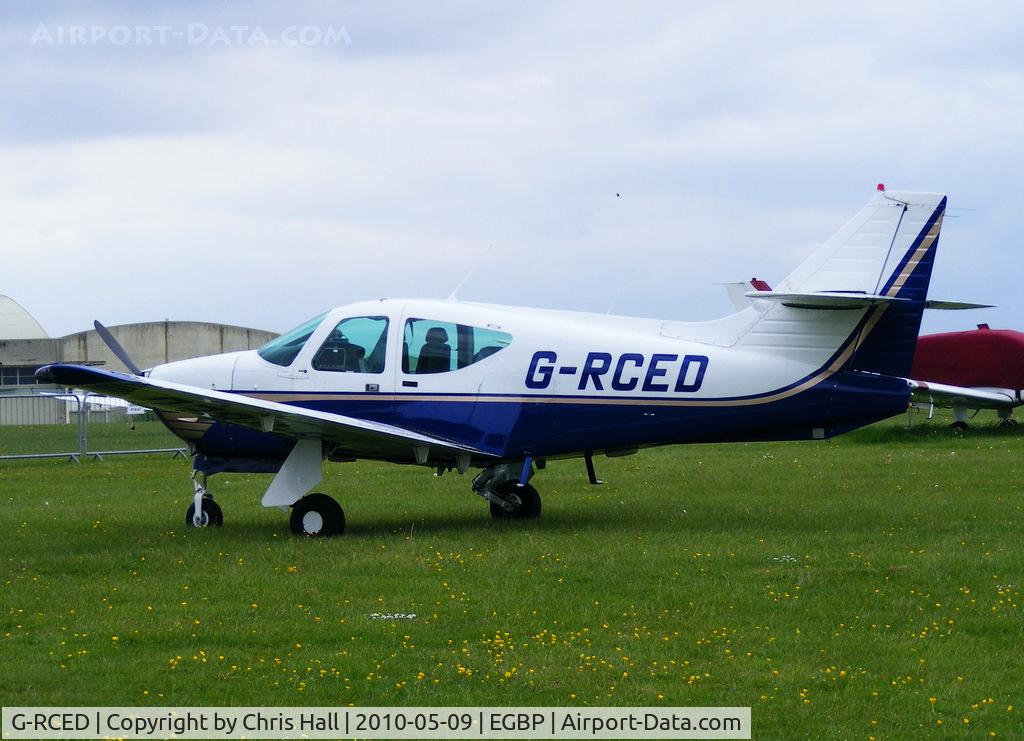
x,y
148,344
161,342
30,352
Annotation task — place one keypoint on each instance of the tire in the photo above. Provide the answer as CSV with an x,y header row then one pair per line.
x,y
317,516
525,499
212,514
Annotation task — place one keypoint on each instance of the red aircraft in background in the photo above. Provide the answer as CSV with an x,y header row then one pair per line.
x,y
987,363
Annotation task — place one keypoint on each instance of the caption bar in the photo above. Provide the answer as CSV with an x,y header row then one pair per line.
x,y
374,723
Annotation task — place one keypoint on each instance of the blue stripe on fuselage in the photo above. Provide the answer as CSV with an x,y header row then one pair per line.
x,y
513,428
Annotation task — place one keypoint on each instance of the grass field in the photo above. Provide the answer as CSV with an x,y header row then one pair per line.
x,y
100,436
870,586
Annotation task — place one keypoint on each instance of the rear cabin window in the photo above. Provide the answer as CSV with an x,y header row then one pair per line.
x,y
356,345
430,346
282,350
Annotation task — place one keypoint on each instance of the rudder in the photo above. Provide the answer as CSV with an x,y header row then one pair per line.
x,y
888,335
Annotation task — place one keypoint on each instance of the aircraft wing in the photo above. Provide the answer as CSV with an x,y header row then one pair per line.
x,y
287,420
944,395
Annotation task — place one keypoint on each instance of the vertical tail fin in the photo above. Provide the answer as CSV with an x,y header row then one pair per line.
x,y
887,249
888,337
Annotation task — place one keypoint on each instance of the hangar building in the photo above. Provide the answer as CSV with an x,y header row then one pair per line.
x,y
25,346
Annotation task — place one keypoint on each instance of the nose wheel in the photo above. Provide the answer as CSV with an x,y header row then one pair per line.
x,y
210,514
317,516
203,512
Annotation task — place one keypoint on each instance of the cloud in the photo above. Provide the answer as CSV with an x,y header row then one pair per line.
x,y
258,184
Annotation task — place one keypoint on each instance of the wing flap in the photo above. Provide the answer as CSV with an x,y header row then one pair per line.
x,y
289,420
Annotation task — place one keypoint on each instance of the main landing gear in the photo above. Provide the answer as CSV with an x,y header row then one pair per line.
x,y
960,418
317,515
507,488
1005,420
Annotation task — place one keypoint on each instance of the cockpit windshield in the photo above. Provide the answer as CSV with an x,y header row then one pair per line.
x,y
282,350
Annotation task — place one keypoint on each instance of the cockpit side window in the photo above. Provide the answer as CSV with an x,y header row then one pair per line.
x,y
488,341
430,346
283,350
356,345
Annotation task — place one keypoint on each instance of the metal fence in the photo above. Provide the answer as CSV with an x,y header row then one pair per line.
x,y
75,426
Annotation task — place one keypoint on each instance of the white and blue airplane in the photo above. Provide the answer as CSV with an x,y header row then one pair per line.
x,y
456,385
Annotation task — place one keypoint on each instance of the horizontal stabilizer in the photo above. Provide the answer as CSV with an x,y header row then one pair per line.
x,y
823,299
954,305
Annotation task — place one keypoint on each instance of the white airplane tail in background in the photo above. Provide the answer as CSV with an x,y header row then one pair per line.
x,y
862,293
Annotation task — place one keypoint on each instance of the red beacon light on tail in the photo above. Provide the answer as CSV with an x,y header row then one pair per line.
x,y
880,187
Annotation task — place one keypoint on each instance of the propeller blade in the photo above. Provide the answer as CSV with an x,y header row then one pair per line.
x,y
115,347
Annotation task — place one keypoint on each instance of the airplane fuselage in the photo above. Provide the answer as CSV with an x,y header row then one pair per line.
x,y
515,382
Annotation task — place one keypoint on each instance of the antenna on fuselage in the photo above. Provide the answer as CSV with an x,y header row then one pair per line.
x,y
622,285
452,296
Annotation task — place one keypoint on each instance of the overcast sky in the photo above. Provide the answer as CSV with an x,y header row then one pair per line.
x,y
257,163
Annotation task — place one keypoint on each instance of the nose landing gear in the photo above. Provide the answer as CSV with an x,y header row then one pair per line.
x,y
203,512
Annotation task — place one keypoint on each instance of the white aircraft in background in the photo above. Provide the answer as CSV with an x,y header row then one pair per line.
x,y
453,385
